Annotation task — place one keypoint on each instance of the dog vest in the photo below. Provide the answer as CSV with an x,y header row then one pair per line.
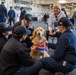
x,y
42,47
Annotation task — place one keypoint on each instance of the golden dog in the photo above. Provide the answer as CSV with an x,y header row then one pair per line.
x,y
39,43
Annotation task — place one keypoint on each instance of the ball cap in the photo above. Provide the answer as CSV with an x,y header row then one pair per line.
x,y
63,21
20,30
4,27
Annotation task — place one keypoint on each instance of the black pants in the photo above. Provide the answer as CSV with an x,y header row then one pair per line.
x,y
10,21
30,70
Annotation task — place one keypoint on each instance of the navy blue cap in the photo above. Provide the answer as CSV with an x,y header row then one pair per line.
x,y
28,17
63,21
20,30
4,27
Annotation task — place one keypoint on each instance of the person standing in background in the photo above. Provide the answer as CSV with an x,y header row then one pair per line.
x,y
3,13
22,14
64,12
11,16
45,18
73,19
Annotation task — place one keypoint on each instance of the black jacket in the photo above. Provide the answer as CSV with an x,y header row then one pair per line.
x,y
3,11
13,56
27,40
22,15
3,40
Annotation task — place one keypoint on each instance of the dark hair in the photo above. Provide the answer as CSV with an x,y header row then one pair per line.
x,y
21,8
10,6
2,3
71,25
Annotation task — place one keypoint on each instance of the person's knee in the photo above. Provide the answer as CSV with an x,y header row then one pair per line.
x,y
43,60
39,63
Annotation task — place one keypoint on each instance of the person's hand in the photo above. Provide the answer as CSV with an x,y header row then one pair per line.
x,y
52,33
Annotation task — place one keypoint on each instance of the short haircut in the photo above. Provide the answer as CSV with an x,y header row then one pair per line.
x,y
2,2
57,4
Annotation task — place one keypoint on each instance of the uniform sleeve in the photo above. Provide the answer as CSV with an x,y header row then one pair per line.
x,y
52,45
60,49
25,57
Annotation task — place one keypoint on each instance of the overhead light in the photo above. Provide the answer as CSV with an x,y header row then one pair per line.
x,y
66,5
62,1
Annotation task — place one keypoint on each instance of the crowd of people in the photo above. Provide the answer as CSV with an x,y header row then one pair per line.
x,y
9,16
15,44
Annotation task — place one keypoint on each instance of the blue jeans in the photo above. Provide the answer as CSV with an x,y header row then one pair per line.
x,y
30,70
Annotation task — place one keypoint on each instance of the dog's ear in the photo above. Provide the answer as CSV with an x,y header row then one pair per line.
x,y
33,35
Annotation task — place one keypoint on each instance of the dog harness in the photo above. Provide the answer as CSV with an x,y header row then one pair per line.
x,y
42,47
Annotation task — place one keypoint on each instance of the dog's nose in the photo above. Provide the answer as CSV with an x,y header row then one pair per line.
x,y
39,34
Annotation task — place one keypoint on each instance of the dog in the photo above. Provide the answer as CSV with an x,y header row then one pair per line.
x,y
39,48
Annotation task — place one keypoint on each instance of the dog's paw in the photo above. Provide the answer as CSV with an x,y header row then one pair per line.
x,y
33,48
46,54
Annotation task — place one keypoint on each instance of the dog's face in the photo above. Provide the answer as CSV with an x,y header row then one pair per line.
x,y
40,32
